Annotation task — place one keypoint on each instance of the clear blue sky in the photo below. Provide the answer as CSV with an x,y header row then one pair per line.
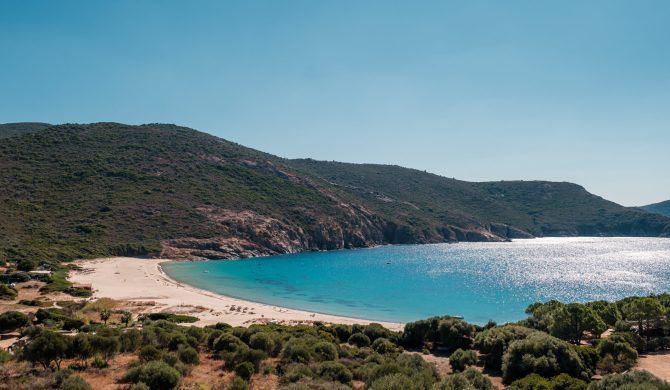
x,y
563,90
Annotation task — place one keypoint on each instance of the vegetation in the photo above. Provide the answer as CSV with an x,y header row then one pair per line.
x,y
176,183
526,355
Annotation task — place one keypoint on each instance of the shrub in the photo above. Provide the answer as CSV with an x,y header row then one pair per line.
x,y
177,318
493,343
393,382
566,382
130,340
244,370
227,343
359,339
7,292
616,354
466,380
541,354
296,351
630,380
343,332
325,351
12,320
149,353
155,374
188,355
530,382
384,346
375,331
139,386
105,345
334,371
262,341
98,362
75,382
461,359
455,333
295,372
238,384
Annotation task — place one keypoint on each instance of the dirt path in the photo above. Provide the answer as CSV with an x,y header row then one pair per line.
x,y
658,363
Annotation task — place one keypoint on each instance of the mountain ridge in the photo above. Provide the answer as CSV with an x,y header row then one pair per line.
x,y
662,208
71,191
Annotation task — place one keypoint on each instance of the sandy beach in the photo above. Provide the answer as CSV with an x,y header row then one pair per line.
x,y
143,281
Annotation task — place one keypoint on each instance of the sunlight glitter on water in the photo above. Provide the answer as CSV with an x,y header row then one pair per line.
x,y
476,280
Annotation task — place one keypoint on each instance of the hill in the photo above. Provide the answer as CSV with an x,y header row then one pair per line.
x,y
71,191
662,208
15,129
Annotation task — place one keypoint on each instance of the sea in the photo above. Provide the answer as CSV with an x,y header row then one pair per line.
x,y
478,281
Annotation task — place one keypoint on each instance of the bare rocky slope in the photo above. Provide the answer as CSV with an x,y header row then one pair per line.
x,y
72,191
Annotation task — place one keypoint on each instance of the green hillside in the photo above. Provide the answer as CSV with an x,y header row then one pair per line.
x,y
21,128
662,208
73,191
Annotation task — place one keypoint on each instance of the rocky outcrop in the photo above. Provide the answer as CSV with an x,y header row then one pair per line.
x,y
244,234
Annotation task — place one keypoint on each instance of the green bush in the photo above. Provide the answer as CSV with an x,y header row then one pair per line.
x,y
460,359
177,318
384,346
530,382
393,382
455,333
466,380
616,354
295,372
632,380
262,341
75,382
333,371
541,354
245,370
12,320
296,351
130,340
139,386
238,384
494,342
188,355
155,374
7,293
359,339
227,343
325,351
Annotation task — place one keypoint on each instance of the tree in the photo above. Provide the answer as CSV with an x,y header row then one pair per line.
x,y
81,348
494,342
107,346
455,333
12,320
47,347
544,355
645,311
616,354
126,317
104,315
569,322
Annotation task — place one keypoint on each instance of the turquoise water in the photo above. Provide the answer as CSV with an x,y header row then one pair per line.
x,y
479,281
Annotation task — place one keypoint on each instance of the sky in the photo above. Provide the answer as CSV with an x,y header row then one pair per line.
x,y
564,90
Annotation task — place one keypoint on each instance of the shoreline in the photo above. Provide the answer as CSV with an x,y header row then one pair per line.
x,y
118,278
